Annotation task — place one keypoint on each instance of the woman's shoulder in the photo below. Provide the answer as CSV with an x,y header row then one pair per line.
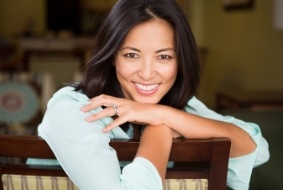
x,y
67,93
195,104
197,107
63,114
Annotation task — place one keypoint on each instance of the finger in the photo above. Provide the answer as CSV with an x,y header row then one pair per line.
x,y
88,107
94,105
101,100
115,123
109,111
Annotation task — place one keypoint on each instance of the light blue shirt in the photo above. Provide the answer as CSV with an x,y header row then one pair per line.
x,y
83,150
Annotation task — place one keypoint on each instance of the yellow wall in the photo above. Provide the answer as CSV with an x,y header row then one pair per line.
x,y
15,14
103,4
245,51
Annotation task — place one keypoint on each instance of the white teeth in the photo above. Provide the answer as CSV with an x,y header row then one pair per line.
x,y
146,87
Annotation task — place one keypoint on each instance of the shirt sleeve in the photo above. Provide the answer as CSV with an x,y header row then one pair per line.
x,y
83,150
240,168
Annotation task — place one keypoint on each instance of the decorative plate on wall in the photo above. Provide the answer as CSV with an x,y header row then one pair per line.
x,y
18,102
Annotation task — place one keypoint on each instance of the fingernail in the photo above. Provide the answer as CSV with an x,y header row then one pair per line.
x,y
104,130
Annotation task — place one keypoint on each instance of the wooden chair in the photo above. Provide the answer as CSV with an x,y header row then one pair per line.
x,y
194,159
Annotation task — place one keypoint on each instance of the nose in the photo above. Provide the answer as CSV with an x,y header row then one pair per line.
x,y
147,70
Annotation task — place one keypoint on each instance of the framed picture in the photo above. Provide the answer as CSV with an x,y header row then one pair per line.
x,y
237,4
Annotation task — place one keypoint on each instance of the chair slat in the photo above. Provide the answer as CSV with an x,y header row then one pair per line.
x,y
24,147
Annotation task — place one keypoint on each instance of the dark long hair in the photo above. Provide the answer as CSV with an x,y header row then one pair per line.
x,y
99,75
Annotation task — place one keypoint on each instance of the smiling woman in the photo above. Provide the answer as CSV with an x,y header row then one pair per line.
x,y
142,78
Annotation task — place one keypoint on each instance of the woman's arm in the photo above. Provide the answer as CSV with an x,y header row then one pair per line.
x,y
155,146
194,126
187,124
148,169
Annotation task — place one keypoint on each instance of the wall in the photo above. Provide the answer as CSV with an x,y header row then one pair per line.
x,y
245,51
102,4
16,14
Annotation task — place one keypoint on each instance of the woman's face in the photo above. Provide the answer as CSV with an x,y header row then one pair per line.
x,y
146,63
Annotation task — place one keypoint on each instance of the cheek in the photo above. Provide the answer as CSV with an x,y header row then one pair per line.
x,y
172,79
122,72
170,74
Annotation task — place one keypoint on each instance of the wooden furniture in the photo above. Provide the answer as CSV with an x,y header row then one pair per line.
x,y
9,61
194,159
254,100
55,47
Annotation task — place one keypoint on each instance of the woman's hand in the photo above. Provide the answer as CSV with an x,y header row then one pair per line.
x,y
126,110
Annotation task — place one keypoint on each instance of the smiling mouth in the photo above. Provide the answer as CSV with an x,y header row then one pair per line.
x,y
149,87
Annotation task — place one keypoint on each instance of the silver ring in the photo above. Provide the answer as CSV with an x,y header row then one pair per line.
x,y
115,109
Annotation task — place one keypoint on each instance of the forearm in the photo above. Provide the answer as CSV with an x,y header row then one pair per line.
x,y
155,146
193,126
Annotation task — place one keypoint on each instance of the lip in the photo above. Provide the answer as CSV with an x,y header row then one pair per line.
x,y
146,89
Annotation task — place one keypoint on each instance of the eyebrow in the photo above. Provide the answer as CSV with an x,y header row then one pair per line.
x,y
158,51
131,48
165,49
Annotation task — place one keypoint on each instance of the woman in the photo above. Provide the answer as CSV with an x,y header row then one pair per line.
x,y
142,77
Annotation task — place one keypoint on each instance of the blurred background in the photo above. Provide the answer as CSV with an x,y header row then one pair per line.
x,y
45,43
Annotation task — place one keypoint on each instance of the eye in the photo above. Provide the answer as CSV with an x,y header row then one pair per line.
x,y
131,55
164,57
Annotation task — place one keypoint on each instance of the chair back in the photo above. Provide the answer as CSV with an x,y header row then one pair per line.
x,y
193,158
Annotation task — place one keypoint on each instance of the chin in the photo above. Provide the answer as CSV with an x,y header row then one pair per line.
x,y
147,100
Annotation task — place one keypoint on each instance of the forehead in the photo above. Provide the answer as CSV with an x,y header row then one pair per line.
x,y
156,32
